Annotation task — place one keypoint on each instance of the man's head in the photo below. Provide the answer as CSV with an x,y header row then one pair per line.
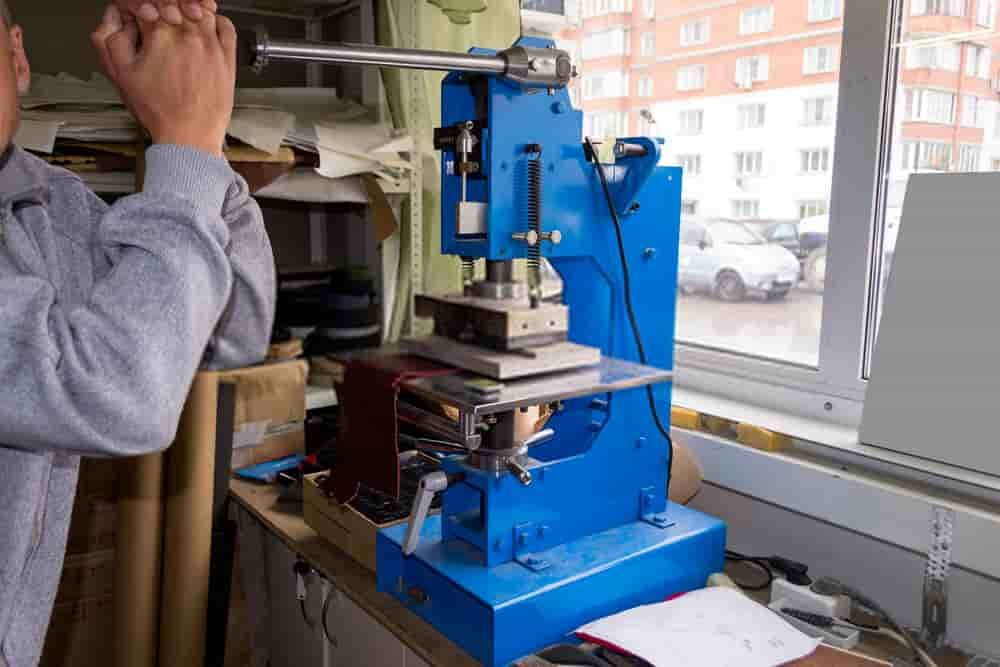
x,y
15,74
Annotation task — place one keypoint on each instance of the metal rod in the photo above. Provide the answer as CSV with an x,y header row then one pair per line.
x,y
359,54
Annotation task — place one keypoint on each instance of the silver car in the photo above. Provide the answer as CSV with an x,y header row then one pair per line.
x,y
732,261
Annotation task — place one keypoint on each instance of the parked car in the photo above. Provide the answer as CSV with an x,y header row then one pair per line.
x,y
783,232
731,261
813,234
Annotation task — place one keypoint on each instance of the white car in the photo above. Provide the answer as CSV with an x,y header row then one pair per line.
x,y
731,261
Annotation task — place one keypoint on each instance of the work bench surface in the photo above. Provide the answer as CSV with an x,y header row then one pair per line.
x,y
284,519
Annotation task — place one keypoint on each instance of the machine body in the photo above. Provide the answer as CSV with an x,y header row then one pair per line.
x,y
538,537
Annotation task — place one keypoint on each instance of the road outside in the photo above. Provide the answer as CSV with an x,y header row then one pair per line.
x,y
786,330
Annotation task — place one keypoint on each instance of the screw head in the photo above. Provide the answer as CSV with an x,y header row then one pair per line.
x,y
649,253
640,442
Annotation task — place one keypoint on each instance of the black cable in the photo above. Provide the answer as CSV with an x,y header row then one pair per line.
x,y
305,616
633,320
332,593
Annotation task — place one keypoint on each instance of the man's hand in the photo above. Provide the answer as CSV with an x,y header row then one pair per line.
x,y
171,11
180,82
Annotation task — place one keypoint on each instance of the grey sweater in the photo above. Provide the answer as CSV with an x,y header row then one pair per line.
x,y
105,316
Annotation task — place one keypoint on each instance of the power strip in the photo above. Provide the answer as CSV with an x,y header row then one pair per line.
x,y
804,599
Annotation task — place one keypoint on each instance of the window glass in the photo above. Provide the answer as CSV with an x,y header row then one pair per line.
x,y
745,95
944,120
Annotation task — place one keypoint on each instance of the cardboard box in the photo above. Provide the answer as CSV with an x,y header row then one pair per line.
x,y
98,477
80,634
270,411
87,576
342,525
93,526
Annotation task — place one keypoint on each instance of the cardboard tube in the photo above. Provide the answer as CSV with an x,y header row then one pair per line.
x,y
187,550
136,605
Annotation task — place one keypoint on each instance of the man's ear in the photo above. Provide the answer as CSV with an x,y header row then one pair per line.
x,y
22,69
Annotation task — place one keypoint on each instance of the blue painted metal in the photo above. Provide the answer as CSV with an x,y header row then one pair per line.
x,y
509,568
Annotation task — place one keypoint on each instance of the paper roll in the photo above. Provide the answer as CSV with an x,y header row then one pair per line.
x,y
190,476
136,606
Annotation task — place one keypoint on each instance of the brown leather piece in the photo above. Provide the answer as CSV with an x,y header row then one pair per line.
x,y
368,449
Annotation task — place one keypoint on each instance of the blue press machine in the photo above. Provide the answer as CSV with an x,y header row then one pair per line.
x,y
508,567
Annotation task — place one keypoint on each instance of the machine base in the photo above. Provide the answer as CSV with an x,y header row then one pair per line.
x,y
506,612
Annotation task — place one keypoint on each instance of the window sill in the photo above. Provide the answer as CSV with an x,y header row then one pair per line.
x,y
837,443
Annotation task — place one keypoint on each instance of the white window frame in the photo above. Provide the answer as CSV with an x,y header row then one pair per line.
x,y
813,207
986,13
682,77
739,207
815,161
978,60
649,9
751,116
811,65
647,44
749,164
689,203
809,105
645,86
682,127
752,69
703,29
825,10
757,20
831,394
970,157
691,163
958,8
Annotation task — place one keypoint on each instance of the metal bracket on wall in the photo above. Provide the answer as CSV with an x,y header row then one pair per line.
x,y
529,541
935,618
647,501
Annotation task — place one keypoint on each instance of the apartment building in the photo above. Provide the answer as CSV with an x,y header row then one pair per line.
x,y
745,92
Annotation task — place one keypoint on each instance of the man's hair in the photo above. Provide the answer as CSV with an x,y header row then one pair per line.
x,y
5,15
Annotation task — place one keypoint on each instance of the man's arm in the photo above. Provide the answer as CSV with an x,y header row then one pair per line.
x,y
244,330
110,377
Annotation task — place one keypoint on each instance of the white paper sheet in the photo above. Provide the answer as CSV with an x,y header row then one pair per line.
x,y
37,135
264,129
713,627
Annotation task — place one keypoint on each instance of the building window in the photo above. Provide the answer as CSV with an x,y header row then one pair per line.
x,y
995,164
820,60
593,8
938,7
977,61
756,20
745,209
647,124
647,46
751,70
825,10
750,116
600,85
816,161
646,86
936,56
973,111
691,164
691,77
614,42
695,32
926,156
691,122
985,13
606,124
649,8
968,157
818,111
749,163
689,207
813,207
930,106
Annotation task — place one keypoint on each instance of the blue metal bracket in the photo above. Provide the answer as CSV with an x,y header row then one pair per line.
x,y
529,542
649,500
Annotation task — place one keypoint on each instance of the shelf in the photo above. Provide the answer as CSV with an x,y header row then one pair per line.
x,y
298,9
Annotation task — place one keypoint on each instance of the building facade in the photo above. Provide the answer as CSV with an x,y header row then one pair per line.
x,y
745,93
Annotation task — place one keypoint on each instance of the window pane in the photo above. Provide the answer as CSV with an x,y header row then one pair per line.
x,y
946,115
744,93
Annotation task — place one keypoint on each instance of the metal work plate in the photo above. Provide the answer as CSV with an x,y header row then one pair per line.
x,y
504,365
609,375
502,324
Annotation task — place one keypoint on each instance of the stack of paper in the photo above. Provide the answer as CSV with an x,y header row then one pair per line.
x,y
713,627
313,120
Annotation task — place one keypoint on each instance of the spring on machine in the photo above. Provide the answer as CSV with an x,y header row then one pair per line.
x,y
534,260
468,274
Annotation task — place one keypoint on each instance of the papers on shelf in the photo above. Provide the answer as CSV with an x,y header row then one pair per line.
x,y
314,120
713,627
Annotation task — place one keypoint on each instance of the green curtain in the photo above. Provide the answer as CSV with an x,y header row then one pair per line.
x,y
415,103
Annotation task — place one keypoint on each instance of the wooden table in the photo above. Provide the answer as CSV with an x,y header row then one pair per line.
x,y
285,521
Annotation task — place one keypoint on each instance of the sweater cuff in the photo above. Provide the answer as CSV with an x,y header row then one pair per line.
x,y
188,173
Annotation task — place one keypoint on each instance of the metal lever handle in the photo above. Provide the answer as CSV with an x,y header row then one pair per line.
x,y
542,436
430,485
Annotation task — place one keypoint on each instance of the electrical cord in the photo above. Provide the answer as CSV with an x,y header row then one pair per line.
x,y
830,586
330,595
627,284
